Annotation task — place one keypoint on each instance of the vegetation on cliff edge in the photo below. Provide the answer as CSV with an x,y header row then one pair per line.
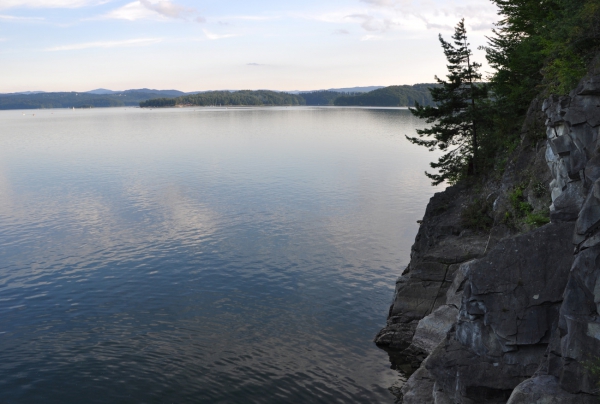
x,y
538,48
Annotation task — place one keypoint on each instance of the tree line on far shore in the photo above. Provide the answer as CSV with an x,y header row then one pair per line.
x,y
393,96
128,98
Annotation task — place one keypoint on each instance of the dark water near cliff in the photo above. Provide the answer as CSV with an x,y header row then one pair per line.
x,y
210,256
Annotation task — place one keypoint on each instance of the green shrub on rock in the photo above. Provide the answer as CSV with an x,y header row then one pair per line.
x,y
477,216
536,219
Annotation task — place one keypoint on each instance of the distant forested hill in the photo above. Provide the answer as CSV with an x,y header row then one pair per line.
x,y
387,97
81,100
244,97
323,97
393,96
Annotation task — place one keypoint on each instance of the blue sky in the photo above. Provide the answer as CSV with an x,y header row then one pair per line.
x,y
79,45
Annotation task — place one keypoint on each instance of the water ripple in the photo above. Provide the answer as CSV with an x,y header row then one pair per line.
x,y
214,256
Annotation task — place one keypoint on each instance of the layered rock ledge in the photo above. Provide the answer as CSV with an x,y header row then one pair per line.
x,y
510,315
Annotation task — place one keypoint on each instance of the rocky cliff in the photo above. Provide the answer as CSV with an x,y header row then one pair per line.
x,y
510,312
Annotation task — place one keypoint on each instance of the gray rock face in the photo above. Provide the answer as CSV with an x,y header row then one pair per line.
x,y
510,302
575,342
513,319
590,86
515,290
579,326
545,390
466,377
440,245
506,311
433,328
418,389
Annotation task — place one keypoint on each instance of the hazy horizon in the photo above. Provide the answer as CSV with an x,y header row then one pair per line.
x,y
80,45
220,89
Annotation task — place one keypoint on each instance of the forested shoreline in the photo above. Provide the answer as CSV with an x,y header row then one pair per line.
x,y
228,98
392,96
129,98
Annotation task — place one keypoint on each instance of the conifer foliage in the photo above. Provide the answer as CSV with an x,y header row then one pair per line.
x,y
458,118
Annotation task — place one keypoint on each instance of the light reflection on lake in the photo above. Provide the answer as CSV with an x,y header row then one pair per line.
x,y
209,255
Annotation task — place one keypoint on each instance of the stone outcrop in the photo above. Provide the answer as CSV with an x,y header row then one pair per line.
x,y
574,122
442,243
545,390
510,303
511,316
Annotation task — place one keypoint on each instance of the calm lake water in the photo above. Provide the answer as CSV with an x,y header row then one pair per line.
x,y
203,256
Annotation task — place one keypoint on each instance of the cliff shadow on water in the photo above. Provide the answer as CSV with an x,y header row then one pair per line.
x,y
500,300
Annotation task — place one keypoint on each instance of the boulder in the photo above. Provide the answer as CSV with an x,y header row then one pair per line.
x,y
586,105
589,217
465,377
590,86
592,170
418,389
396,335
567,205
414,298
433,328
545,389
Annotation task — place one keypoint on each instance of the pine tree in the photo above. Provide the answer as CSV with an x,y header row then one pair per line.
x,y
459,114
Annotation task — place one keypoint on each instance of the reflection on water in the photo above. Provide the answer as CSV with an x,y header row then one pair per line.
x,y
216,255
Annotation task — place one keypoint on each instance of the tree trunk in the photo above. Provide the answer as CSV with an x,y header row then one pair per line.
x,y
474,126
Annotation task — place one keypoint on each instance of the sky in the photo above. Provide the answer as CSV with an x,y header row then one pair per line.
x,y
197,45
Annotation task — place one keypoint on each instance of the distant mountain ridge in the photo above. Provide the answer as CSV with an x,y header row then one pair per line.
x,y
392,96
339,90
82,99
23,93
172,93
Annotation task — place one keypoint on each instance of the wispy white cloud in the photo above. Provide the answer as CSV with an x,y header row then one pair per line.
x,y
153,10
131,12
105,44
213,36
371,23
50,3
371,38
341,32
251,17
368,20
380,3
5,17
412,15
167,8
